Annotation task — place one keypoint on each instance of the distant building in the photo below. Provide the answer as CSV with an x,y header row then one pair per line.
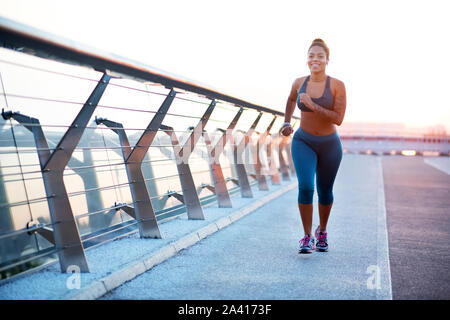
x,y
436,131
372,129
389,129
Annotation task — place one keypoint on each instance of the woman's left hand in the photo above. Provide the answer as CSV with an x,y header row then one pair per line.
x,y
306,99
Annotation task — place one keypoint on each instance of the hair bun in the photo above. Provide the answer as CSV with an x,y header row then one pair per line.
x,y
318,40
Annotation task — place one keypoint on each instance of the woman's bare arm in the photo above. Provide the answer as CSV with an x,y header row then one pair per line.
x,y
291,101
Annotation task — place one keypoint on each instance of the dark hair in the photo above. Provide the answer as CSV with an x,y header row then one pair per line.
x,y
319,42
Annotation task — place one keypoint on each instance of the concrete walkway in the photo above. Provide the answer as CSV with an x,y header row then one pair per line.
x,y
256,257
112,264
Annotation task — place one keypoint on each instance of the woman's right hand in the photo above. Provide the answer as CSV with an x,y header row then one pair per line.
x,y
286,130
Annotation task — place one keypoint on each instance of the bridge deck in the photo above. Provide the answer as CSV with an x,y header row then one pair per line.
x,y
256,257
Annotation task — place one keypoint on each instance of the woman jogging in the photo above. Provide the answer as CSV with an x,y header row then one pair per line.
x,y
316,147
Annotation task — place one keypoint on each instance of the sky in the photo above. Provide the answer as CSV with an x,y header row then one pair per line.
x,y
393,56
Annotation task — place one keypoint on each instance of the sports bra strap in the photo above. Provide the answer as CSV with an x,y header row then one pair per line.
x,y
303,88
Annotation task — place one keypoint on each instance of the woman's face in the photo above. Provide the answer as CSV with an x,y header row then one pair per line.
x,y
317,59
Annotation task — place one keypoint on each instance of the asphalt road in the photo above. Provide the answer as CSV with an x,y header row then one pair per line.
x,y
418,216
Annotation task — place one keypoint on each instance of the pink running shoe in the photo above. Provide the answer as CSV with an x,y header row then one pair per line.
x,y
322,242
307,244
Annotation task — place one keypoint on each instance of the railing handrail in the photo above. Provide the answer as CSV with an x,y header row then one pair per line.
x,y
46,45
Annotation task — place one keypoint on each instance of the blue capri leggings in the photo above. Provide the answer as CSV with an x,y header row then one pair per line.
x,y
319,155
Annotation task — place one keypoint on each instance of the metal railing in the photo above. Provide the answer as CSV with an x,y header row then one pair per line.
x,y
139,147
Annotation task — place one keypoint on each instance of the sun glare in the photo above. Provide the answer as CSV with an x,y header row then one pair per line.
x,y
408,152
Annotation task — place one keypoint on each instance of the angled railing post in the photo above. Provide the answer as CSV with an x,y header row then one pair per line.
x,y
289,153
190,196
291,161
220,185
143,208
6,222
65,230
260,178
261,142
275,177
238,150
284,167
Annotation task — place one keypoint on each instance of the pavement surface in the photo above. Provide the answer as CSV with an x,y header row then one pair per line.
x,y
257,256
388,237
418,215
113,263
